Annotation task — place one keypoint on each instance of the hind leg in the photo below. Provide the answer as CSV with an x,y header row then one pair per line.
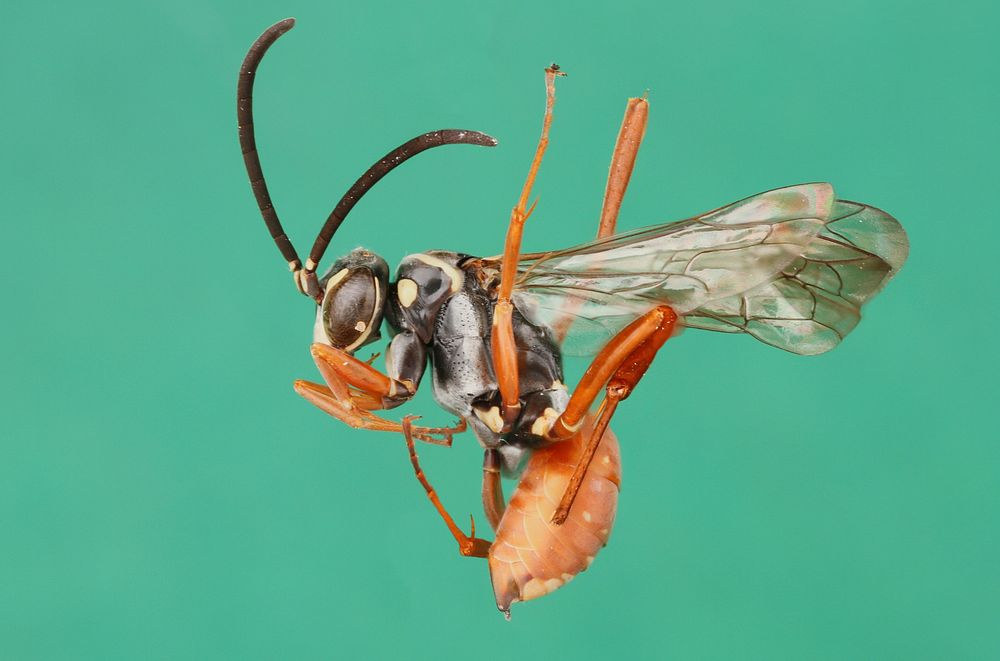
x,y
616,370
622,163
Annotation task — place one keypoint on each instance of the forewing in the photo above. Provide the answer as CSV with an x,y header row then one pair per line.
x,y
816,300
598,288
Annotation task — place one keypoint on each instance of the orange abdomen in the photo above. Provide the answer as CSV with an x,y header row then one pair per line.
x,y
531,556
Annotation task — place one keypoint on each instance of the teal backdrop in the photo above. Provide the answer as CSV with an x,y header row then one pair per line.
x,y
164,494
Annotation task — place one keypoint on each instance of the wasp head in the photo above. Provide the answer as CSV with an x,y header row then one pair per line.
x,y
353,298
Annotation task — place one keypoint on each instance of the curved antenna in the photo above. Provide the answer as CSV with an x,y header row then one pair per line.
x,y
244,119
379,169
306,279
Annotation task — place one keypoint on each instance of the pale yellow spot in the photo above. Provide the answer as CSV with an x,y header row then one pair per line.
x,y
533,589
567,578
456,277
537,587
491,418
606,460
558,385
587,517
544,422
360,326
337,277
589,560
553,584
406,291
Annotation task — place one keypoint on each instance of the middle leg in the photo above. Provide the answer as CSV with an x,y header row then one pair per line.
x,y
468,545
502,337
493,503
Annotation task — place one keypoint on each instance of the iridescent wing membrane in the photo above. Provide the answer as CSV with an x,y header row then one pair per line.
x,y
791,267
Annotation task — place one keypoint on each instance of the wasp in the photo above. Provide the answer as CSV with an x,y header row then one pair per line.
x,y
791,267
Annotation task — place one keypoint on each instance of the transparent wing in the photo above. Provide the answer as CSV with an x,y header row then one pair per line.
x,y
814,302
790,266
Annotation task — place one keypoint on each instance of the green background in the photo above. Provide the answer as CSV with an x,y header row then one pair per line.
x,y
164,493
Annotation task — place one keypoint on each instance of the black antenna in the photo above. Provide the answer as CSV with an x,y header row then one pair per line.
x,y
379,169
244,119
306,279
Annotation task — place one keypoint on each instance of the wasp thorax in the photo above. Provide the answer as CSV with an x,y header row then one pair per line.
x,y
350,314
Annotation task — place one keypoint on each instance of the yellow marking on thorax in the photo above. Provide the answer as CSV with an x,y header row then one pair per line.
x,y
456,276
406,292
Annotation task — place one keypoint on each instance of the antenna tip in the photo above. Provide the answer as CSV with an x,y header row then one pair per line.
x,y
469,137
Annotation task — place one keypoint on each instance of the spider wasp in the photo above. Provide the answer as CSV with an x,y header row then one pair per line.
x,y
790,267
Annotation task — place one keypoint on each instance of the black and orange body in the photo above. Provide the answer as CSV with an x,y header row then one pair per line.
x,y
499,372
790,267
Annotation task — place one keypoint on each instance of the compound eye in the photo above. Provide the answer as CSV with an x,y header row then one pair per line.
x,y
352,308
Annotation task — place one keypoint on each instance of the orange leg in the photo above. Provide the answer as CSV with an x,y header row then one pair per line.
x,y
622,163
619,387
354,388
502,340
493,503
468,545
359,373
608,407
631,344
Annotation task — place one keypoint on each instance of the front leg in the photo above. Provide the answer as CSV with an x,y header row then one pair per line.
x,y
336,364
354,388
